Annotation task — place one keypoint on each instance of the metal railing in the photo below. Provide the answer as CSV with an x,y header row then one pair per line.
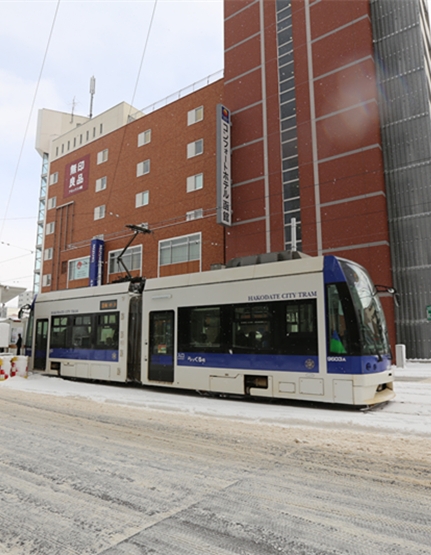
x,y
179,94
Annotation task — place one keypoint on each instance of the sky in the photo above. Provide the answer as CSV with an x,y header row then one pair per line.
x,y
409,413
139,51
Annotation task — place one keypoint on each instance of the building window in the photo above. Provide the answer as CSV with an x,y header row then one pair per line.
x,y
102,156
195,115
46,280
99,212
52,203
194,214
79,268
48,253
56,150
53,178
196,148
195,182
142,168
142,199
50,227
144,138
180,249
101,184
132,259
101,129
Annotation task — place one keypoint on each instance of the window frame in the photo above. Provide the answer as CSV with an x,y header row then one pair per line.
x,y
180,242
143,168
131,252
74,261
195,116
52,203
145,199
53,178
194,215
50,228
101,212
144,138
192,148
192,182
102,155
101,183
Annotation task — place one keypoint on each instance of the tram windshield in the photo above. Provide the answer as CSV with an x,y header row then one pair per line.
x,y
369,311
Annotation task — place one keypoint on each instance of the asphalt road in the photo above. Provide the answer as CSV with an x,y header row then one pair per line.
x,y
80,477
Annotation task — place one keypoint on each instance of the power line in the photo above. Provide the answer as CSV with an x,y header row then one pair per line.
x,y
15,258
144,51
15,247
29,119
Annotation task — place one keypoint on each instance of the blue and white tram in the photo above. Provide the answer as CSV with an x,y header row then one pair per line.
x,y
308,329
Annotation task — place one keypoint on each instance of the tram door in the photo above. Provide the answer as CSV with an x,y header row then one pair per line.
x,y
161,356
134,340
40,344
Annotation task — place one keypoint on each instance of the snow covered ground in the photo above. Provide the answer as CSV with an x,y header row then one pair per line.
x,y
409,413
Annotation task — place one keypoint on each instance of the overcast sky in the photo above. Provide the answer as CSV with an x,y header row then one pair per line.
x,y
104,38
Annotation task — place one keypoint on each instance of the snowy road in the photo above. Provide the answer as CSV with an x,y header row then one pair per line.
x,y
91,469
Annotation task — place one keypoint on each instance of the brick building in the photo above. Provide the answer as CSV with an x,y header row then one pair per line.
x,y
329,102
158,171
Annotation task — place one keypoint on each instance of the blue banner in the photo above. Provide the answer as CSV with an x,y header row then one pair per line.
x,y
96,262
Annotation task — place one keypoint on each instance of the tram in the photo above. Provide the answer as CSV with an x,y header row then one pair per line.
x,y
309,329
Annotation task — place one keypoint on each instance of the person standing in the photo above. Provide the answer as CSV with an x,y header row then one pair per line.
x,y
18,344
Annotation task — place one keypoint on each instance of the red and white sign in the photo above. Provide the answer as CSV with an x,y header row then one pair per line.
x,y
77,176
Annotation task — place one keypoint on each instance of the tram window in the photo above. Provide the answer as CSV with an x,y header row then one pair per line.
x,y
59,326
300,328
81,331
251,330
107,331
161,332
200,328
343,332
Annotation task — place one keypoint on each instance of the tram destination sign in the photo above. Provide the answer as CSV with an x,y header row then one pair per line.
x,y
108,305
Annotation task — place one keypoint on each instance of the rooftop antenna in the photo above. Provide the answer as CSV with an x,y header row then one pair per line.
x,y
92,91
73,110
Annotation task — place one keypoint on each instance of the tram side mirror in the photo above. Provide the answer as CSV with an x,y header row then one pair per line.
x,y
391,290
396,299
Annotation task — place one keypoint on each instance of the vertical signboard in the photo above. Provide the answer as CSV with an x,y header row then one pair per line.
x,y
76,176
224,193
96,262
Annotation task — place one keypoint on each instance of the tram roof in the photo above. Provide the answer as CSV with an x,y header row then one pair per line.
x,y
226,275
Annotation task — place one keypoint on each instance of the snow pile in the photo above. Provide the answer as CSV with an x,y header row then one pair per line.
x,y
408,413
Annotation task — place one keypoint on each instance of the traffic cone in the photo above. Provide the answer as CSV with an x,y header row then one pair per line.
x,y
3,375
13,370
